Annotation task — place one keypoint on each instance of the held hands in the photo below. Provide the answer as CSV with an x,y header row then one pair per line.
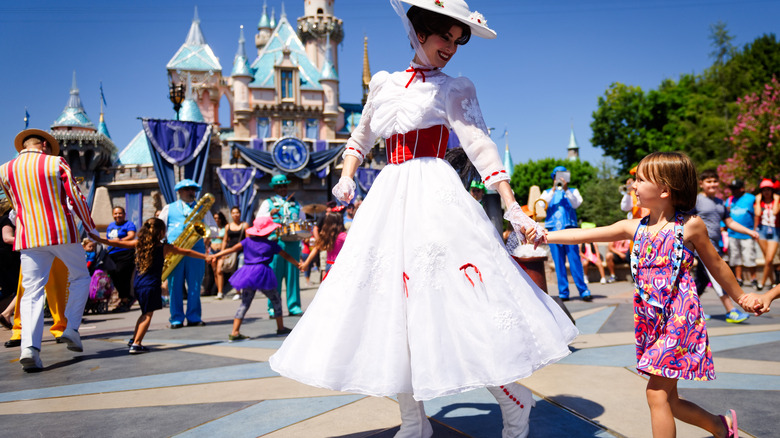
x,y
755,303
344,190
527,229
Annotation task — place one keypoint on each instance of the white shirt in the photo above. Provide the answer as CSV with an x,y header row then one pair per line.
x,y
393,108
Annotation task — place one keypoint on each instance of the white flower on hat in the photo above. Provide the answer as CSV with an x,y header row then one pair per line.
x,y
478,18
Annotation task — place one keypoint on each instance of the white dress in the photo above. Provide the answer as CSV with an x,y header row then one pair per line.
x,y
423,297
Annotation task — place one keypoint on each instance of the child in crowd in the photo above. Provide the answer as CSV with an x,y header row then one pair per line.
x,y
150,251
330,239
256,274
617,252
669,325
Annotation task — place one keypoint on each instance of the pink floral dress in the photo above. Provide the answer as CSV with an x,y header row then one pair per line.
x,y
669,326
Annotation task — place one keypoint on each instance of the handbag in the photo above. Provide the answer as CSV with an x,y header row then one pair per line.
x,y
230,262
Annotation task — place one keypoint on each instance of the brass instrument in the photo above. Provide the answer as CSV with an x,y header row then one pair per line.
x,y
193,231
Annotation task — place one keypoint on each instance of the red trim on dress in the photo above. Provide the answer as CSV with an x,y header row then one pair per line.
x,y
414,72
494,174
469,265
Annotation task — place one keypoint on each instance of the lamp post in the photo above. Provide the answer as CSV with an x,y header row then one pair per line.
x,y
176,94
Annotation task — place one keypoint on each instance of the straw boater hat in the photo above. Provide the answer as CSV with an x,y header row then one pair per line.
x,y
22,136
262,226
459,10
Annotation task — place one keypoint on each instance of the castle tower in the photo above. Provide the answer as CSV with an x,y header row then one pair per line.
x,y
241,75
366,70
329,80
85,147
264,30
195,62
317,25
574,150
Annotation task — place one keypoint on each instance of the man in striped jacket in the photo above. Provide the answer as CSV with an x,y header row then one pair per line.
x,y
40,186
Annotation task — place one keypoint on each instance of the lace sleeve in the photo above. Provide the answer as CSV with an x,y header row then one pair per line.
x,y
362,139
466,120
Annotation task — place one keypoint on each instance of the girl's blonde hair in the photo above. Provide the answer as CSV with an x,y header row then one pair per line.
x,y
676,171
150,236
332,226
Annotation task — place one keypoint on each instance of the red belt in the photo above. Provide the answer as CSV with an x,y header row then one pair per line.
x,y
428,142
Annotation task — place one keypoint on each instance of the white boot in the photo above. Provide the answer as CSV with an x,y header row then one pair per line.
x,y
515,402
414,422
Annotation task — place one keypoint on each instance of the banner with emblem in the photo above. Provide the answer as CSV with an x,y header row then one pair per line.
x,y
177,143
238,188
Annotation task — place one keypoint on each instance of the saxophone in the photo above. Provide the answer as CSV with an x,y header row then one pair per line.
x,y
193,231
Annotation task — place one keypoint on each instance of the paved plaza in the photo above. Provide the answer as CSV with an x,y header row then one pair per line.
x,y
196,384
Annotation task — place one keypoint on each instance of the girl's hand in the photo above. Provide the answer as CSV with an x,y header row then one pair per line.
x,y
753,302
524,226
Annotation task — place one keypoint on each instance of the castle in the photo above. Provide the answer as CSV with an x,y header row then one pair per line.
x,y
289,90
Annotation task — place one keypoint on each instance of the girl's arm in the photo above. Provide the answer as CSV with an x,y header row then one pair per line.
x,y
224,238
8,235
700,240
313,251
114,242
621,230
168,248
289,258
775,204
235,248
757,210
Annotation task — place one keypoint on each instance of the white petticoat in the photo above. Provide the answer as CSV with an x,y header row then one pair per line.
x,y
362,333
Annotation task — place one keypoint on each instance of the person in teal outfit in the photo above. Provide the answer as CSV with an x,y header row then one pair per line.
x,y
284,209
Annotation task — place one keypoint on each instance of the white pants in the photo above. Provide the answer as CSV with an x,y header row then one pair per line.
x,y
36,264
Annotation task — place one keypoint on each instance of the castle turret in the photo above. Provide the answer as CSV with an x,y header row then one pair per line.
x,y
329,80
573,150
196,60
264,30
241,75
73,117
316,27
366,70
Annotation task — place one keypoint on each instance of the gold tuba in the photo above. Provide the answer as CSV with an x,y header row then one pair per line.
x,y
193,231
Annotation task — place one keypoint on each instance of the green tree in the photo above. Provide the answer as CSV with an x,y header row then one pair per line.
x,y
601,197
538,173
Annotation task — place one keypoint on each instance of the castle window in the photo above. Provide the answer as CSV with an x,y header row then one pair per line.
x,y
263,128
288,128
287,84
319,11
313,129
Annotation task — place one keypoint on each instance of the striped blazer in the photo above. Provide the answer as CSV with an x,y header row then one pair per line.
x,y
40,187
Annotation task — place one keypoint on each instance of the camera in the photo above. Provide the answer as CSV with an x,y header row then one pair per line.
x,y
561,175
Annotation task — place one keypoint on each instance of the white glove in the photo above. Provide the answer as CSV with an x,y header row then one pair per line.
x,y
344,191
521,222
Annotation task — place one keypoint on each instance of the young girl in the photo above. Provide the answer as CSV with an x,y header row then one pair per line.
x,y
671,335
150,253
330,240
256,274
766,209
216,246
429,302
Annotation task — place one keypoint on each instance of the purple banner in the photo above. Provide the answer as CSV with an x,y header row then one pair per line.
x,y
176,141
365,177
236,180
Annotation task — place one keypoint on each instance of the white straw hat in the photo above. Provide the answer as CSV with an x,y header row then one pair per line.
x,y
459,10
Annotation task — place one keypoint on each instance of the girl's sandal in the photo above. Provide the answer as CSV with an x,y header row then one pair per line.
x,y
733,431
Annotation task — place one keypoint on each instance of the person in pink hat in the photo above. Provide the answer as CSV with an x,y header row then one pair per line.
x,y
429,302
767,207
256,274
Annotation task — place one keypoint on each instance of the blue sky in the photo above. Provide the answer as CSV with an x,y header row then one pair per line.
x,y
544,73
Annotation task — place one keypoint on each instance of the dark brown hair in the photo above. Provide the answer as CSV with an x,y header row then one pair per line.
x,y
332,226
150,236
676,171
429,23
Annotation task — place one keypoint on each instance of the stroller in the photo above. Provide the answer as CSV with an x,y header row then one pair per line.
x,y
101,288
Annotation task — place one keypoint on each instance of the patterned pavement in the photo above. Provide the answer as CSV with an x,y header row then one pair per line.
x,y
194,383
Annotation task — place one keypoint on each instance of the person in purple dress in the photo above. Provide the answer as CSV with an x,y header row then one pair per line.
x,y
256,274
